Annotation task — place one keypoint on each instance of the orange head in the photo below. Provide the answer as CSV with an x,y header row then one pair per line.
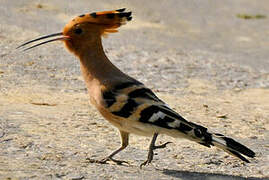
x,y
85,31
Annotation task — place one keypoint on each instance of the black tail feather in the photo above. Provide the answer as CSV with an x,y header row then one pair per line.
x,y
233,147
238,155
232,144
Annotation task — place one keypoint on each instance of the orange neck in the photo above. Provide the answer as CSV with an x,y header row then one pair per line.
x,y
96,67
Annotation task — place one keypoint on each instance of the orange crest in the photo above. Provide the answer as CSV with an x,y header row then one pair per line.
x,y
110,20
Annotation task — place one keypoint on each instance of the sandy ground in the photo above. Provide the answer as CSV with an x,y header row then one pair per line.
x,y
205,62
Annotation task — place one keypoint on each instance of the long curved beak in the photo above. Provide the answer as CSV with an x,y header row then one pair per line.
x,y
41,38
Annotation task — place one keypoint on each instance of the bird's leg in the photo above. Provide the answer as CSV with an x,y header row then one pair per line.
x,y
124,144
151,148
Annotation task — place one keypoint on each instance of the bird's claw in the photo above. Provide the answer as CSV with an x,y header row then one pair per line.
x,y
161,146
144,163
118,162
105,160
151,153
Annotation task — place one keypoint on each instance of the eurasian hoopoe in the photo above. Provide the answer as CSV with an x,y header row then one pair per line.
x,y
123,101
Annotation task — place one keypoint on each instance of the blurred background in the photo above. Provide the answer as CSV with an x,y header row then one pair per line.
x,y
238,28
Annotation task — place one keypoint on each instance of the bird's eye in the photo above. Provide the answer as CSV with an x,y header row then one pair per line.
x,y
78,31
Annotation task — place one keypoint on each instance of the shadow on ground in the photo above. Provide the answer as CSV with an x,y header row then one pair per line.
x,y
187,175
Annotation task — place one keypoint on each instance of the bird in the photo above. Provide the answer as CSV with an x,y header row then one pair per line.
x,y
122,100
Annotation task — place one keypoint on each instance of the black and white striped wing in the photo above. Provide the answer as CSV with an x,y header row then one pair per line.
x,y
136,102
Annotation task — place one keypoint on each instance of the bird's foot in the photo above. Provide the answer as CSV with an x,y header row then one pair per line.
x,y
105,160
161,146
151,153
